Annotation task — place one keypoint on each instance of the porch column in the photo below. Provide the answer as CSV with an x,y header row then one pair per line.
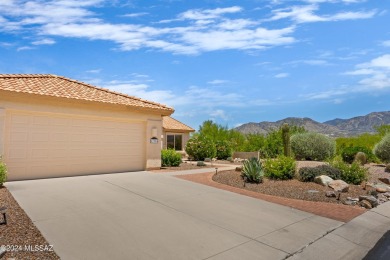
x,y
2,131
153,143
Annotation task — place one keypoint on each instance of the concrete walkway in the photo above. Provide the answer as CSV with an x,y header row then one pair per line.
x,y
146,215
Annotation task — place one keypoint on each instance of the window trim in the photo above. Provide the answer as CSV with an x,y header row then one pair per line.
x,y
174,140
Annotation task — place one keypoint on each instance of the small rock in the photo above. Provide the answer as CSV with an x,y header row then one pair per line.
x,y
385,180
238,168
370,185
339,185
382,187
352,199
350,202
312,191
330,193
366,204
323,180
373,201
381,190
387,194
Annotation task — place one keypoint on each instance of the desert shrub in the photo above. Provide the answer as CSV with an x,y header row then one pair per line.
x,y
3,172
224,149
170,157
252,170
200,147
349,153
200,163
207,160
361,158
330,171
230,159
312,146
350,173
364,140
307,174
382,149
281,168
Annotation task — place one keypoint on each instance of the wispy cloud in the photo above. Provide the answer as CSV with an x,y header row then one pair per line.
x,y
386,43
306,14
375,75
44,42
25,48
218,82
201,30
197,30
281,75
133,15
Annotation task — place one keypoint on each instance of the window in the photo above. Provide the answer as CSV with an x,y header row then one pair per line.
x,y
174,142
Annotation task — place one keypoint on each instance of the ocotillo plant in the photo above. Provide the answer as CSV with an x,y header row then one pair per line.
x,y
286,139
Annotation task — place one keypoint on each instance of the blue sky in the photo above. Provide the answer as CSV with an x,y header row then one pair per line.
x,y
230,61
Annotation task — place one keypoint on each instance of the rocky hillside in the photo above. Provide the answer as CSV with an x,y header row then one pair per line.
x,y
336,127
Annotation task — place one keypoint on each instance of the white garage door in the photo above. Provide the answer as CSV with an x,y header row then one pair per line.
x,y
42,145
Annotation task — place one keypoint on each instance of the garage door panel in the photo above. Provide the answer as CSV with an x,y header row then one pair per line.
x,y
42,145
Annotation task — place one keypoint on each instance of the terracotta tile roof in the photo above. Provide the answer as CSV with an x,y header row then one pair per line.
x,y
172,124
57,86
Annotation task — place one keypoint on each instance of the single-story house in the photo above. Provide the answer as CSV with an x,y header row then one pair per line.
x,y
175,134
52,126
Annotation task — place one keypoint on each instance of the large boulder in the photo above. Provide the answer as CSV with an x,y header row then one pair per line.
x,y
323,180
339,185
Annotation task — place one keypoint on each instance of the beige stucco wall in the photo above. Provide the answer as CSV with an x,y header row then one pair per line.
x,y
14,102
2,132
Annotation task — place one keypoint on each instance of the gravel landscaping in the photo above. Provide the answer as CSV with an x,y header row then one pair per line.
x,y
20,238
300,190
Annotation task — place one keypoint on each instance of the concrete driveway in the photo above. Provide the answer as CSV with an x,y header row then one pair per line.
x,y
146,215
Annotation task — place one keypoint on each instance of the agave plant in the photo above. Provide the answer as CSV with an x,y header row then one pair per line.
x,y
252,170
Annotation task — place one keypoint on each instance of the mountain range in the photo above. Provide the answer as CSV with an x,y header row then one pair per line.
x,y
336,127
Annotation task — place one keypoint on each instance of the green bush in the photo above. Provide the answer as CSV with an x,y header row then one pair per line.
x,y
281,168
382,149
364,140
350,173
307,174
3,172
224,149
170,157
349,153
312,146
200,147
252,170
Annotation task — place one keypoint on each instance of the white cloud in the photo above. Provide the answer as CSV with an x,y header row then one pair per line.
x,y
132,15
281,75
94,71
219,113
44,42
199,14
202,30
199,30
306,14
386,43
218,82
314,62
25,48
